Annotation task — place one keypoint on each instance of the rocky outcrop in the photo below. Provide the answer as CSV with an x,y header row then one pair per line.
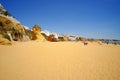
x,y
10,26
7,24
3,11
14,28
4,41
36,33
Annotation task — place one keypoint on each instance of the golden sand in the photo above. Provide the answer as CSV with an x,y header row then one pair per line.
x,y
59,61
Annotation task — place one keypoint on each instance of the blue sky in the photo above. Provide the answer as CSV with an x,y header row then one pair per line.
x,y
87,18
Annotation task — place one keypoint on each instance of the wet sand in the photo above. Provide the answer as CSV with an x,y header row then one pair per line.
x,y
59,61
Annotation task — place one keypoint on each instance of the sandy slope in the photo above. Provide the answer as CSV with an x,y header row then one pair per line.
x,y
59,61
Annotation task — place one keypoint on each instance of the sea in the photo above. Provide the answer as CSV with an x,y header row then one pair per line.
x,y
112,42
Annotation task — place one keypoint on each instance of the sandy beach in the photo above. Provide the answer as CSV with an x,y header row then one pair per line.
x,y
35,60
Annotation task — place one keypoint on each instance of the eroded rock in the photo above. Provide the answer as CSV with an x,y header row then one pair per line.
x,y
36,33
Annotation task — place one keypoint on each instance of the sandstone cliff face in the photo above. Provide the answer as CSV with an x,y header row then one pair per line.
x,y
10,27
14,28
7,24
3,11
4,41
36,33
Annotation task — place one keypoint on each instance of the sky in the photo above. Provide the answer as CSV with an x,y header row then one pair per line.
x,y
87,18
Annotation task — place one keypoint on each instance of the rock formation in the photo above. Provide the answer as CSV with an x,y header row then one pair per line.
x,y
10,26
4,41
36,33
3,11
14,28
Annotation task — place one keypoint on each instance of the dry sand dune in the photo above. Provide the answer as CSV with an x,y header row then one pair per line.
x,y
59,61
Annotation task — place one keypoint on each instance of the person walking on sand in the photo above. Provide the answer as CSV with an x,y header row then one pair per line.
x,y
85,43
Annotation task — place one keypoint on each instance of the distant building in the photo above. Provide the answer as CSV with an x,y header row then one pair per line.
x,y
72,37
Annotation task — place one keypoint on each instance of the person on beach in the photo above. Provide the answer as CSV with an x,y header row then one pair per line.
x,y
85,43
